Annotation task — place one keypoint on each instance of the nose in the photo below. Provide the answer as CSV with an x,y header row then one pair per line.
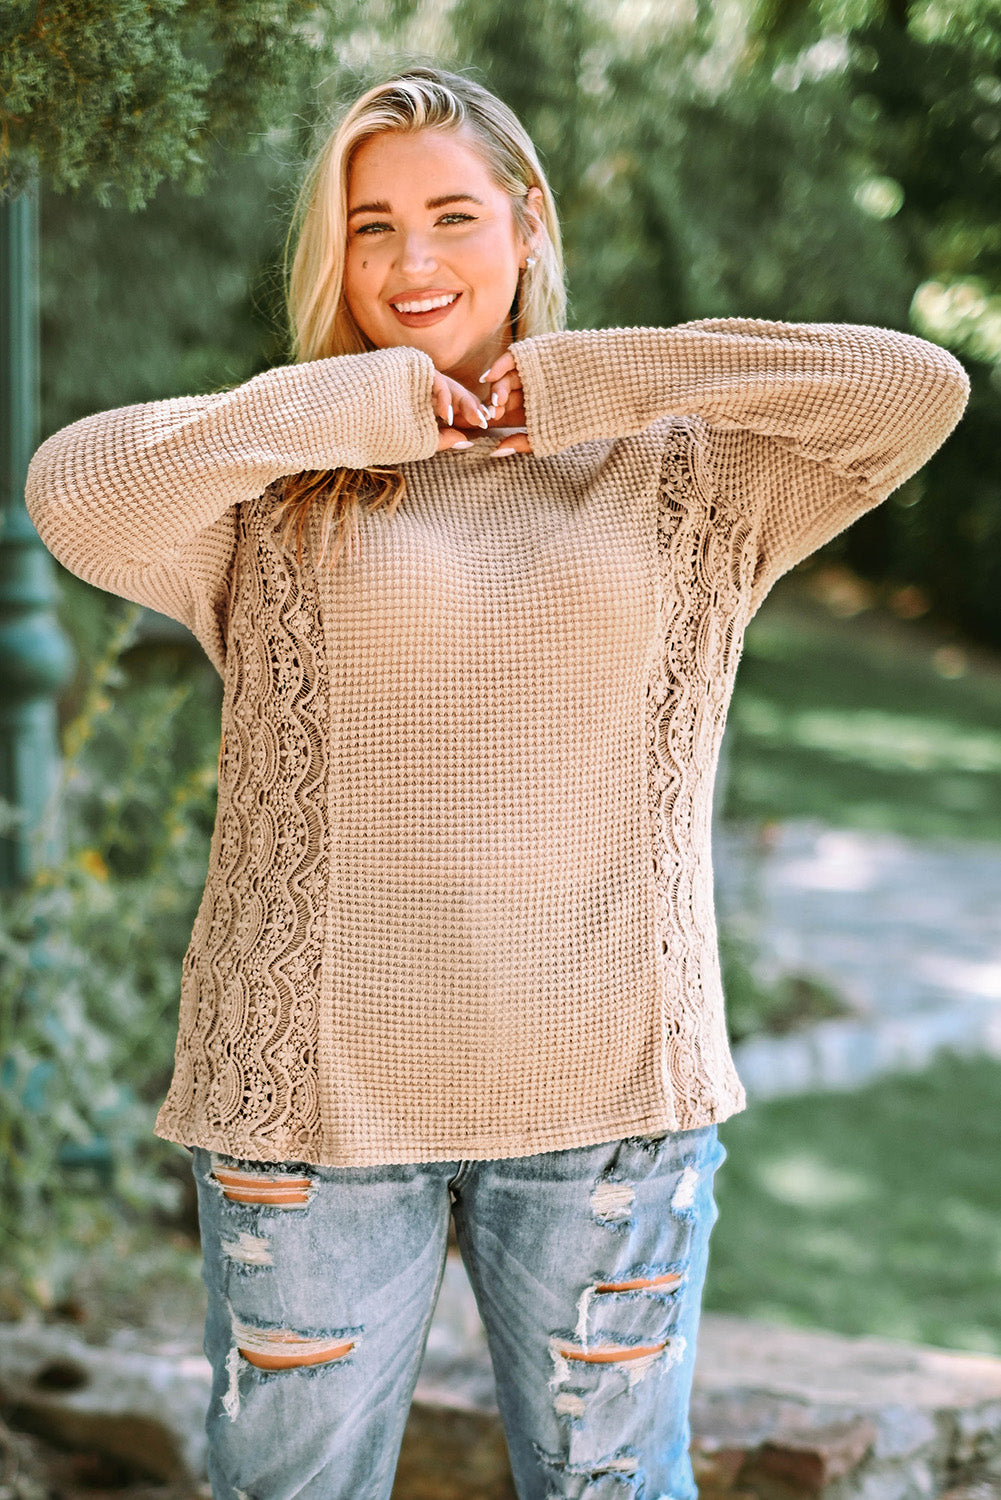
x,y
416,254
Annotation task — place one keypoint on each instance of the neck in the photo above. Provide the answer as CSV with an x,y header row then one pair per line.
x,y
469,370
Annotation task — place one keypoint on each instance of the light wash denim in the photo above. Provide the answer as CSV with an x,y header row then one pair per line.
x,y
588,1267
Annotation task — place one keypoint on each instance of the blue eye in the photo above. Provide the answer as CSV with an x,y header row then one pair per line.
x,y
446,221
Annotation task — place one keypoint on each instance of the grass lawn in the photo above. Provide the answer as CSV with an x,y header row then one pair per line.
x,y
877,1212
863,721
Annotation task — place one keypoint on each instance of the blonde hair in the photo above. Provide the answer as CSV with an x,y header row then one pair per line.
x,y
321,322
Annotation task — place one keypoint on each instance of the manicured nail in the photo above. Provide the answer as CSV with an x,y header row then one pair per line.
x,y
451,415
483,416
465,443
486,372
503,453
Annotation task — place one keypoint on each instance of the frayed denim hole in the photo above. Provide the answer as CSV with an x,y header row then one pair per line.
x,y
644,1270
623,1463
309,1372
302,1333
254,1212
631,1341
244,1271
570,1406
690,1183
650,1143
665,1296
612,1201
694,1148
259,1191
265,1168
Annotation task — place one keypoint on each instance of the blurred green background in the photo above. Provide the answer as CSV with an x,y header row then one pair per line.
x,y
833,160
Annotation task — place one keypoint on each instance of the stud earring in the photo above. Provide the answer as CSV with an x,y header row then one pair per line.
x,y
530,262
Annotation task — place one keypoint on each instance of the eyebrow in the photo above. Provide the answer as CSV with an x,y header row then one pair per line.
x,y
442,202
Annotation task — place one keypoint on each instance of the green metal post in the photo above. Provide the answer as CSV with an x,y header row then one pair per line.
x,y
34,656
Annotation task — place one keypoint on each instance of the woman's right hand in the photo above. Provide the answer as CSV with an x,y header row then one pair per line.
x,y
456,408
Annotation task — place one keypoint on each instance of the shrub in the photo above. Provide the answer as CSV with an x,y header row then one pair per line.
x,y
90,957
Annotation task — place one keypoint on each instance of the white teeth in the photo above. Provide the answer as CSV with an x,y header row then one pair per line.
x,y
427,304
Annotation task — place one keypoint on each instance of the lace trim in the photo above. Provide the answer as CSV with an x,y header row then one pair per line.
x,y
249,1017
706,561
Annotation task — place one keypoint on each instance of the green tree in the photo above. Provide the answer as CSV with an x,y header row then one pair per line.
x,y
115,98
927,88
921,115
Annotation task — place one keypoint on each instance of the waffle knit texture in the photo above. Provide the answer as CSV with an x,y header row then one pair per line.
x,y
459,902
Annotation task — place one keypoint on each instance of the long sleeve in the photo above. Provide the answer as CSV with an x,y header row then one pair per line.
x,y
142,501
807,425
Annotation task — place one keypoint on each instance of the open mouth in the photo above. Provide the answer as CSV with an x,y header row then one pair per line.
x,y
417,312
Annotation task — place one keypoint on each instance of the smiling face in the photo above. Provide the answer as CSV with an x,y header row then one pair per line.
x,y
434,249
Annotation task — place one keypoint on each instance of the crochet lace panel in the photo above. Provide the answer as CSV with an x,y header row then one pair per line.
x,y
706,556
250,991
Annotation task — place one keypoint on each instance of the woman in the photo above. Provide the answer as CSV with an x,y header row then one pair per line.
x,y
456,952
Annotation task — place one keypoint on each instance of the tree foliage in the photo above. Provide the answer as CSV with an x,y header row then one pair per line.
x,y
925,101
87,1015
118,97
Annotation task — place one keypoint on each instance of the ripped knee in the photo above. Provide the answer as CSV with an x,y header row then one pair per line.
x,y
272,1350
665,1283
284,1349
607,1354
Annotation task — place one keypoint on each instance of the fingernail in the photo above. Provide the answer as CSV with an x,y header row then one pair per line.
x,y
451,415
502,453
483,416
463,444
486,372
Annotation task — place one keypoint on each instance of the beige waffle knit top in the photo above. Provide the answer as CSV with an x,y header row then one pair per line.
x,y
459,901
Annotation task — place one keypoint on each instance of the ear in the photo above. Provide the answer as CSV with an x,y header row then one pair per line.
x,y
534,230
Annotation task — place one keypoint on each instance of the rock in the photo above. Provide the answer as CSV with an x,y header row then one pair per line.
x,y
793,1447
810,1461
144,1408
777,1413
818,1414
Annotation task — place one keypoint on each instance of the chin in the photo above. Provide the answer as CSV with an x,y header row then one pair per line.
x,y
448,360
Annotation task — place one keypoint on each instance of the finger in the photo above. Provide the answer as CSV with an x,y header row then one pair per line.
x,y
452,441
508,395
441,400
499,396
498,400
470,410
516,442
502,366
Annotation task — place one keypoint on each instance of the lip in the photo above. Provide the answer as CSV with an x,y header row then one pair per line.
x,y
424,319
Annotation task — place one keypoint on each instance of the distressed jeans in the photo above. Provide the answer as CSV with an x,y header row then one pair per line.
x,y
587,1265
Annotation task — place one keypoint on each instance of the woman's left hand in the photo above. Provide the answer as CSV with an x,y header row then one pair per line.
x,y
507,407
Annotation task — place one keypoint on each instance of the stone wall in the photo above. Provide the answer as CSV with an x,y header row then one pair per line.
x,y
778,1413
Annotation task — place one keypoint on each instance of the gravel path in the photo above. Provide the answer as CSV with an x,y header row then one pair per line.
x,y
909,932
